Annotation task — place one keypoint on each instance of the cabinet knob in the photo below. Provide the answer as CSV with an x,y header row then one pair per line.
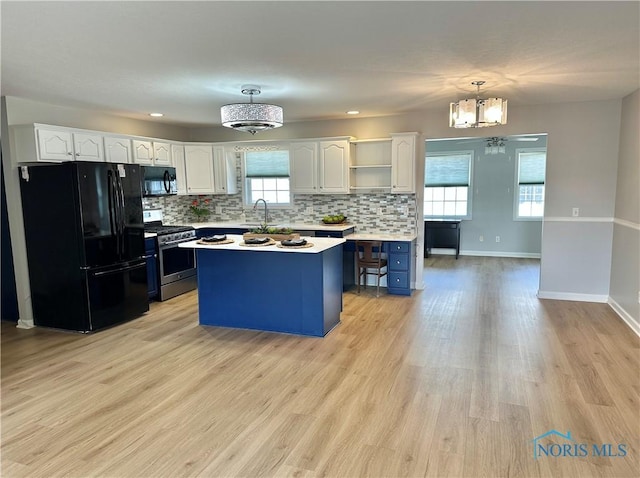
x,y
69,153
397,280
397,262
77,154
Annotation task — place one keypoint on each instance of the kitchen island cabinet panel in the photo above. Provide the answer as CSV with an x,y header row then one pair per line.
x,y
287,291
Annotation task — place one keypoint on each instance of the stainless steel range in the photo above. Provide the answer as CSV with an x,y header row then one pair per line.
x,y
176,266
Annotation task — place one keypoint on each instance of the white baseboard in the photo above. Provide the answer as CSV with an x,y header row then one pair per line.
x,y
602,299
624,315
517,255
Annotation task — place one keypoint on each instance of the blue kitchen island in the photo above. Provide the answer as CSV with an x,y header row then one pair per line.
x,y
289,290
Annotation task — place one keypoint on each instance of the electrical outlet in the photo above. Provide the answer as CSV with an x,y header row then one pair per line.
x,y
405,210
497,238
481,238
575,212
380,211
309,210
218,209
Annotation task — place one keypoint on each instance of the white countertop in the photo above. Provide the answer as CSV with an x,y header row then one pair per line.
x,y
147,235
361,236
320,244
296,227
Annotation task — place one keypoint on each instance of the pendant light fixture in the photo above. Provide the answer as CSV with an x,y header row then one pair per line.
x,y
251,117
495,145
478,112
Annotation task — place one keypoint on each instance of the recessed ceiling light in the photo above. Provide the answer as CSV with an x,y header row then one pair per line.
x,y
156,115
353,112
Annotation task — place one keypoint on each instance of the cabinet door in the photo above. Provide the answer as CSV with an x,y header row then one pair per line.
x,y
403,163
304,167
117,150
198,162
142,152
55,145
177,157
334,167
161,154
224,171
88,147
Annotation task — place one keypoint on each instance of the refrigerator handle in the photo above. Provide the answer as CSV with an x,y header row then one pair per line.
x,y
167,181
120,211
116,209
111,203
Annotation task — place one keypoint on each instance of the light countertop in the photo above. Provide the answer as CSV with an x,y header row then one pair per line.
x,y
320,244
251,225
380,236
147,235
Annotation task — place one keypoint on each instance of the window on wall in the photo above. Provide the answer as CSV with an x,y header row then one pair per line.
x,y
530,187
447,185
266,176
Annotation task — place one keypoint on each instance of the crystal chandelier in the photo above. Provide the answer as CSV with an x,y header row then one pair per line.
x,y
477,112
251,117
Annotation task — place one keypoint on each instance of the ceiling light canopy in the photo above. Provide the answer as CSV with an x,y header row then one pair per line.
x,y
251,117
477,112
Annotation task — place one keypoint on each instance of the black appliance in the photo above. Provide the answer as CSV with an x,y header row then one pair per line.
x,y
159,181
176,265
85,244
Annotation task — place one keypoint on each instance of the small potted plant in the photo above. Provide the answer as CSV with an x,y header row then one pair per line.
x,y
199,208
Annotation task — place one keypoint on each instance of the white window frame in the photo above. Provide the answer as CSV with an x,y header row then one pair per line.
x,y
469,214
516,196
246,186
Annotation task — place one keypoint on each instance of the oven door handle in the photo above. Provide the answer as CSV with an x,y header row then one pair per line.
x,y
173,243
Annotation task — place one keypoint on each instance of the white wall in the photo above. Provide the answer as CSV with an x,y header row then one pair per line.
x,y
624,295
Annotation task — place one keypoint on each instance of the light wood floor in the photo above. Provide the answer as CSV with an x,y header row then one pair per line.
x,y
455,381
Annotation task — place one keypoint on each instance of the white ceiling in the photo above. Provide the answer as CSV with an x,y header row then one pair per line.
x,y
317,59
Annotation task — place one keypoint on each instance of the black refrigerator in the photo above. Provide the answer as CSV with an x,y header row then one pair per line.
x,y
85,244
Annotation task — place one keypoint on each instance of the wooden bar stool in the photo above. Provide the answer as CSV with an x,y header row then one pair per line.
x,y
370,262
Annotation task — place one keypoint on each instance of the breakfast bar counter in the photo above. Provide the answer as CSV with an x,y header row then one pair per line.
x,y
272,288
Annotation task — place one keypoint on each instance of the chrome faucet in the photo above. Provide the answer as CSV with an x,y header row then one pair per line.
x,y
266,214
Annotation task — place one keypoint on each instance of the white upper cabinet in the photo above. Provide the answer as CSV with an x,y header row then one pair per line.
x,y
198,161
143,152
403,162
334,166
177,158
54,145
88,147
117,149
37,142
161,154
224,171
303,159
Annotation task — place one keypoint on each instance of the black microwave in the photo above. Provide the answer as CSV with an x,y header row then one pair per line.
x,y
158,181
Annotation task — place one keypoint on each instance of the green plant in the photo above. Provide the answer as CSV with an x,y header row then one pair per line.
x,y
199,207
271,230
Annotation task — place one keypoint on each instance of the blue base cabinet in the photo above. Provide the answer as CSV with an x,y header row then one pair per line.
x,y
151,254
399,268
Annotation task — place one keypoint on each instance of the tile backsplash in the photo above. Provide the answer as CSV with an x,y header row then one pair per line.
x,y
374,212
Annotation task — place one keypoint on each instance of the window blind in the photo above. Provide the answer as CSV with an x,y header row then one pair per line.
x,y
532,167
447,170
267,164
